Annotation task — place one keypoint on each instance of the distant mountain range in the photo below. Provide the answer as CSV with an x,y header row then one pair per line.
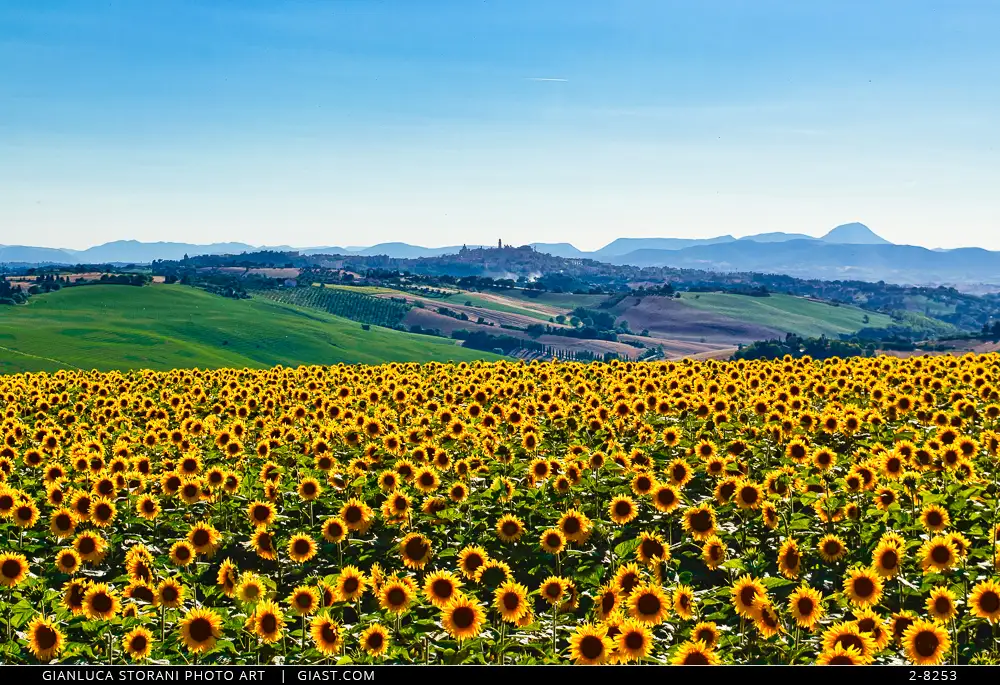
x,y
850,251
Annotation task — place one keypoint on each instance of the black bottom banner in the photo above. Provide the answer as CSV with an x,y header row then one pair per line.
x,y
522,675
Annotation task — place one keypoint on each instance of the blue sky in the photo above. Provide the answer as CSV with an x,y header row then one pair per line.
x,y
351,122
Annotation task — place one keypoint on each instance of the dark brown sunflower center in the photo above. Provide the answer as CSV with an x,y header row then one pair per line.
x,y
138,643
572,525
748,595
11,568
353,514
511,601
847,641
941,554
701,521
102,603
942,605
890,559
926,643
261,512
442,588
416,548
591,647
989,601
201,629
463,617
201,537
648,604
623,508
45,637
831,548
863,587
268,623
509,528
301,547
695,659
749,495
351,585
651,548
396,597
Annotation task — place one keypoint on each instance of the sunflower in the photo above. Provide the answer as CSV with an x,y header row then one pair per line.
x,y
633,641
873,624
463,618
441,587
938,554
374,640
138,643
713,552
766,618
899,623
511,600
606,601
227,577
985,600
553,589
941,604
627,578
553,541
789,559
148,507
649,604
694,653
575,526
926,643
745,593
100,602
182,553
204,538
839,655
887,559
250,588
268,622
62,523
934,518
13,569
169,593
846,634
509,528
200,629
683,597
700,521
831,548
326,634
334,529
665,498
806,606
301,548
356,515
589,644
304,600
45,640
622,509
395,595
73,594
415,550
351,583
748,495
68,561
26,514
261,513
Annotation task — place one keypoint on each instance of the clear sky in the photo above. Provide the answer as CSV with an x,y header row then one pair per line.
x,y
352,122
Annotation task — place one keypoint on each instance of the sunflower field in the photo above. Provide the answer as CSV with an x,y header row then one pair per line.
x,y
784,512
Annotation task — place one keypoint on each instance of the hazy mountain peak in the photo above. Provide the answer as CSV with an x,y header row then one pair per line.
x,y
855,234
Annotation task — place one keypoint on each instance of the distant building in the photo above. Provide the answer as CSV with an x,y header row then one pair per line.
x,y
290,283
499,244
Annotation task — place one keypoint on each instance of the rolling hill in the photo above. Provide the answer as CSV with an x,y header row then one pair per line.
x,y
163,327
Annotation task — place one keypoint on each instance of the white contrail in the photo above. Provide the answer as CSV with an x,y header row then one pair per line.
x,y
539,78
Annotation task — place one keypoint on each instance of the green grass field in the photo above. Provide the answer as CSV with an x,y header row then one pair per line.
x,y
787,313
564,301
171,326
475,300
